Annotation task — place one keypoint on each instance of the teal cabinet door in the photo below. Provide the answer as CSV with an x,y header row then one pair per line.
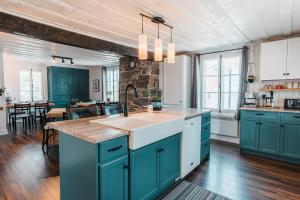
x,y
67,83
144,173
290,140
114,179
269,136
169,151
249,133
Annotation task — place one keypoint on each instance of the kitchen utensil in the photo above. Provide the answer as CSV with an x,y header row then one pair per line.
x,y
295,85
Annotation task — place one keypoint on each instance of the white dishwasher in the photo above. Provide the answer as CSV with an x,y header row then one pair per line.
x,y
190,145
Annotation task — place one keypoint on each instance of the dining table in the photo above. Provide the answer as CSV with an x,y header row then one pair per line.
x,y
12,105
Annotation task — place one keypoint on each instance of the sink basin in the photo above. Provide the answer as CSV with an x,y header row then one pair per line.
x,y
147,128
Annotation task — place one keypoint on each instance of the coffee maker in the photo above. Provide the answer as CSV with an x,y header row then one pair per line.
x,y
250,99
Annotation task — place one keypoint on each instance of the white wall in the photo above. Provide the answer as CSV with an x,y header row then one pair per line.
x,y
12,66
95,73
2,99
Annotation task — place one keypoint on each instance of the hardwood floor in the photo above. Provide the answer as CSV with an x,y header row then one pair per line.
x,y
242,176
26,173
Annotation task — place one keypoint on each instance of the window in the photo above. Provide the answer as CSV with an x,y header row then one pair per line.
x,y
220,81
31,86
112,84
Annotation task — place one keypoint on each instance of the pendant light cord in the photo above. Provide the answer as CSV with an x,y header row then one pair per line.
x,y
157,30
171,35
142,24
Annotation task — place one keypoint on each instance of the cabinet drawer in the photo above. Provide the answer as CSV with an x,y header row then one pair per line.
x,y
205,132
113,149
205,149
260,115
205,118
290,117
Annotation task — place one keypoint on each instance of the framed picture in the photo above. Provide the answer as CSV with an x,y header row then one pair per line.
x,y
96,85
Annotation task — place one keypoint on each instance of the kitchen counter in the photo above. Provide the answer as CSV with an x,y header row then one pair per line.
x,y
270,109
85,130
96,133
187,112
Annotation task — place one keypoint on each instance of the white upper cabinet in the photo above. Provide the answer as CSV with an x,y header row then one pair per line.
x,y
273,60
293,59
176,81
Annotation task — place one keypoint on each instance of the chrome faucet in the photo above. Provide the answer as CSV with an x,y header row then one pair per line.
x,y
126,98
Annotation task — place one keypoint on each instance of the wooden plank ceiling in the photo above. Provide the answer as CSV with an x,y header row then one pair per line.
x,y
198,24
41,51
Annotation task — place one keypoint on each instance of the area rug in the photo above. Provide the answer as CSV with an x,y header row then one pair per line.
x,y
189,191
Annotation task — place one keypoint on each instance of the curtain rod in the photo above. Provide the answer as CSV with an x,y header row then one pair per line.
x,y
220,51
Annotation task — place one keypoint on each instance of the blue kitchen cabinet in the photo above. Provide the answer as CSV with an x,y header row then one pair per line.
x,y
93,171
290,136
249,133
106,171
114,179
269,135
205,136
169,159
144,173
154,168
67,83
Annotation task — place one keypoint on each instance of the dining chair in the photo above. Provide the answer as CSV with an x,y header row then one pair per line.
x,y
113,108
49,135
101,106
40,110
21,111
82,111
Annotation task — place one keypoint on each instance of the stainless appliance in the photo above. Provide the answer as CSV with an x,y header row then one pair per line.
x,y
292,104
250,99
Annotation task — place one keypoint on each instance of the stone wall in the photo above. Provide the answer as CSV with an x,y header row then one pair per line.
x,y
144,76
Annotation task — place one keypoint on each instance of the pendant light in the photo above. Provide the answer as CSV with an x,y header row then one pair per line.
x,y
171,50
158,46
143,43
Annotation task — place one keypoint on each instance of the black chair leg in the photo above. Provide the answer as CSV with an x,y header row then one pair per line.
x,y
43,141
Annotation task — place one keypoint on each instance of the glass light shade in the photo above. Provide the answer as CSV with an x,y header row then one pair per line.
x,y
171,53
143,47
158,49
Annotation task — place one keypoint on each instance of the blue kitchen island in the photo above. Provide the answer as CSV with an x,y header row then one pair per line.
x,y
97,162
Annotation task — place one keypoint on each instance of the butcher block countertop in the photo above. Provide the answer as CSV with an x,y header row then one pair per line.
x,y
94,133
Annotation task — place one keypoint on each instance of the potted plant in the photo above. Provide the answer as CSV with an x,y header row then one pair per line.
x,y
8,99
2,91
156,95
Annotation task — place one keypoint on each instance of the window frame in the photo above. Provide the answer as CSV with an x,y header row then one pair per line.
x,y
219,57
31,91
114,95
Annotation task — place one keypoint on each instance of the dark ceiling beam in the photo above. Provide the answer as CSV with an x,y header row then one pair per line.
x,y
20,26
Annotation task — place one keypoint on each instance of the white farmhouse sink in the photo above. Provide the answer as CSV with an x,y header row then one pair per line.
x,y
146,128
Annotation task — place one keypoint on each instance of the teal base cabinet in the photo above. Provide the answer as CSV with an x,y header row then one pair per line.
x,y
154,168
114,179
93,171
205,136
249,133
271,134
290,136
107,171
